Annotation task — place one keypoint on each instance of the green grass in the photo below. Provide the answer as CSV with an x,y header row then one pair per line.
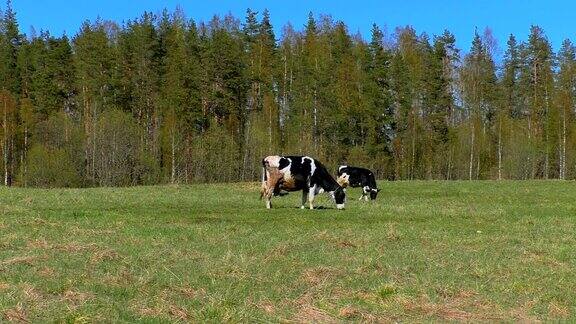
x,y
423,251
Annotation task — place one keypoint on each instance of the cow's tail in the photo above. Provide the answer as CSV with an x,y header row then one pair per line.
x,y
264,179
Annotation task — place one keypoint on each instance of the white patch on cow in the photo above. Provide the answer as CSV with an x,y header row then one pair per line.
x,y
340,206
374,190
311,195
342,167
287,175
366,189
289,164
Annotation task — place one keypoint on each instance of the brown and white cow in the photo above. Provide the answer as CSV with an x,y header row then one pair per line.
x,y
293,173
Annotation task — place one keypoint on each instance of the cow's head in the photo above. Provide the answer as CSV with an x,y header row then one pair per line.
x,y
343,180
373,193
339,196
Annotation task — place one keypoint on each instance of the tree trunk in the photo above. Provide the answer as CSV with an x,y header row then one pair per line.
x,y
413,145
500,149
471,152
25,155
531,168
563,154
315,124
449,171
5,143
269,127
173,145
547,130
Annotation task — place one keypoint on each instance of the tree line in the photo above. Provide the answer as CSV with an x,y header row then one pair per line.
x,y
164,99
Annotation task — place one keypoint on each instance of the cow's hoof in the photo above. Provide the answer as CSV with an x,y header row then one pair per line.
x,y
340,206
302,207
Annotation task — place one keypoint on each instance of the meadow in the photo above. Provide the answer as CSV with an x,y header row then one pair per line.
x,y
473,251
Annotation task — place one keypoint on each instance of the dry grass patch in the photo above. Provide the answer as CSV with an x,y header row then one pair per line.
x,y
446,311
38,244
278,251
349,312
75,298
178,312
30,293
46,272
311,314
345,244
452,308
267,306
28,260
392,233
104,255
319,275
145,311
75,247
191,293
522,312
164,308
16,315
556,311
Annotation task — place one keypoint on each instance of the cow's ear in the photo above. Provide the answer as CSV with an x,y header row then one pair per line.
x,y
378,190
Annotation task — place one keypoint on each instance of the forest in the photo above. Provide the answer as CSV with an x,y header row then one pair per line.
x,y
165,99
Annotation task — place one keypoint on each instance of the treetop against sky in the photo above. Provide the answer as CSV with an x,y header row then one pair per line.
x,y
460,17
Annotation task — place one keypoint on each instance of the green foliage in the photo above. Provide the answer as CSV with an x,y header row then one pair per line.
x,y
51,167
407,104
117,149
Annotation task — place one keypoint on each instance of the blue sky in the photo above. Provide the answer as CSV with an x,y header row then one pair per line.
x,y
460,17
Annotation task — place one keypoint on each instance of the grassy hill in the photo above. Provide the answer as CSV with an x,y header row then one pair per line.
x,y
422,251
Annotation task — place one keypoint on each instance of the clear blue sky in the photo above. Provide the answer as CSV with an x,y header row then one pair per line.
x,y
460,17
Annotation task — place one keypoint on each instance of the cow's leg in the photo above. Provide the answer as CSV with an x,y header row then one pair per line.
x,y
268,198
311,195
364,193
304,198
273,177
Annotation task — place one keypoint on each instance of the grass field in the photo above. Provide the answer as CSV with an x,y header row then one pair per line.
x,y
422,251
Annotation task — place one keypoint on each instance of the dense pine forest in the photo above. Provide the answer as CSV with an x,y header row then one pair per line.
x,y
165,99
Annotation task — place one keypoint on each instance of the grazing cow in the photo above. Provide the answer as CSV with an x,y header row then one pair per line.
x,y
293,173
358,177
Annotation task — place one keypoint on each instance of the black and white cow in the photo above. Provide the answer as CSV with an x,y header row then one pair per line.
x,y
358,177
293,173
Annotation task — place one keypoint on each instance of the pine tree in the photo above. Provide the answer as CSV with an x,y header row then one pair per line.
x,y
480,98
402,103
539,66
381,126
566,96
95,64
10,42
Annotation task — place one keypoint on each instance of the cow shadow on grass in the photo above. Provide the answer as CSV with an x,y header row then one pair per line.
x,y
316,208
